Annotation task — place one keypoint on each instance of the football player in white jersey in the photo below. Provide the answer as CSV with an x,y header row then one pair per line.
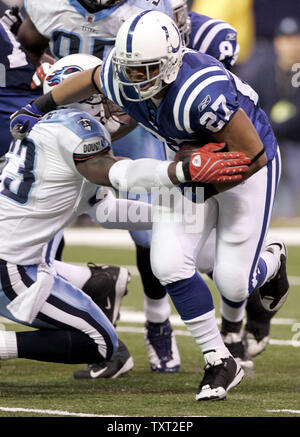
x,y
90,26
41,192
184,97
50,178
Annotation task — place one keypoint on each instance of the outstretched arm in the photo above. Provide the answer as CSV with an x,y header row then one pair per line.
x,y
125,174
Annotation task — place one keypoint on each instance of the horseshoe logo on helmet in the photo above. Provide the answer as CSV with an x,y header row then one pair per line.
x,y
174,49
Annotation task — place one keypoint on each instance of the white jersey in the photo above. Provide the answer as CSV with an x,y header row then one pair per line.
x,y
72,29
41,190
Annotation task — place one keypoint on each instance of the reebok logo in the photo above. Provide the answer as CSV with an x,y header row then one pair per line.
x,y
196,161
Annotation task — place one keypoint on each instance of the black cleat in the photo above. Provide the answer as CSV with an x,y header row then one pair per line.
x,y
119,365
237,347
232,337
221,374
107,286
257,330
274,292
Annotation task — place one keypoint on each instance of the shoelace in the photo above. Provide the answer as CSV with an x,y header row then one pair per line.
x,y
212,373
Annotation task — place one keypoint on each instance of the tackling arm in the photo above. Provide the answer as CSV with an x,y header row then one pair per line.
x,y
126,175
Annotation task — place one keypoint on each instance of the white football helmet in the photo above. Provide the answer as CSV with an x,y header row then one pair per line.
x,y
67,66
182,19
151,43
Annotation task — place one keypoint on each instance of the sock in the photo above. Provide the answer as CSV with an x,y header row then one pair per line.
x,y
271,265
157,310
8,345
205,331
191,297
152,286
230,312
77,275
58,346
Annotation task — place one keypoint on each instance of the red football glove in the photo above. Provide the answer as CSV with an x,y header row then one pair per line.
x,y
39,75
205,165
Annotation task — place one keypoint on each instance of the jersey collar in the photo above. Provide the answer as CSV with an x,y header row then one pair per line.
x,y
100,15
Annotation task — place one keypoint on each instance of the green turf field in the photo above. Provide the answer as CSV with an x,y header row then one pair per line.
x,y
271,389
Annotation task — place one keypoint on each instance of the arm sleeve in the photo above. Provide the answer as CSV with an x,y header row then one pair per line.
x,y
140,175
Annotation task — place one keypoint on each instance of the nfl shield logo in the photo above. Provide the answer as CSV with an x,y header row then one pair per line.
x,y
90,18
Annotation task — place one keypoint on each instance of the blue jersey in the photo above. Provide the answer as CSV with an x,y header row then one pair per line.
x,y
18,70
200,102
15,77
213,37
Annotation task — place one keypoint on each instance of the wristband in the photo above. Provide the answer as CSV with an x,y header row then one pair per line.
x,y
45,103
179,172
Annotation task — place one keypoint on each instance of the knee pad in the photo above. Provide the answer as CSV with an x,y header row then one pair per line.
x,y
168,272
231,281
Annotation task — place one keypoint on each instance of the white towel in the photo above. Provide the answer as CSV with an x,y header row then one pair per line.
x,y
27,305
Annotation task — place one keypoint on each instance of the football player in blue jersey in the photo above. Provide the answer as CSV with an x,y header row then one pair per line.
x,y
218,39
16,78
184,96
42,301
208,35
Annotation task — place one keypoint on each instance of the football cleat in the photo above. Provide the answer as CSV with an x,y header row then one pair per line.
x,y
107,286
254,346
257,330
161,347
237,347
274,292
120,364
232,337
220,375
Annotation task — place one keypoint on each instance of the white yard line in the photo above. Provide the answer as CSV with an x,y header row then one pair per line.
x,y
130,316
284,411
52,412
179,333
99,237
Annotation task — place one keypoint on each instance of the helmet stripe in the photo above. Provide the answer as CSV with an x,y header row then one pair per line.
x,y
131,30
